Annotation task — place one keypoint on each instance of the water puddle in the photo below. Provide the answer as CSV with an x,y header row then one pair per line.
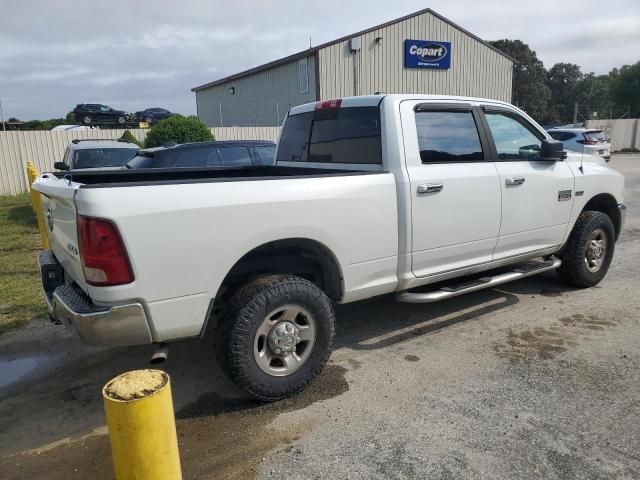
x,y
13,370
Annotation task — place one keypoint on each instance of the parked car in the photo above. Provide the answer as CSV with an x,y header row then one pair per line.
x,y
90,113
69,128
236,153
584,140
369,195
152,115
97,153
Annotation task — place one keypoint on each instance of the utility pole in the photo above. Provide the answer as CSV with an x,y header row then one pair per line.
x,y
4,127
575,114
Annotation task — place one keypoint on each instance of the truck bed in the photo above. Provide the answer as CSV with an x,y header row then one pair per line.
x,y
165,176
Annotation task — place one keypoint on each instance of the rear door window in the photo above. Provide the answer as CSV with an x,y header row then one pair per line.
x,y
448,136
336,135
235,156
266,155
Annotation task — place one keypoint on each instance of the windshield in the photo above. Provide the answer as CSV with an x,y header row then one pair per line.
x,y
103,157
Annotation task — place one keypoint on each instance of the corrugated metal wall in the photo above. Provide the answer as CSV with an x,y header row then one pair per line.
x,y
45,148
476,70
262,99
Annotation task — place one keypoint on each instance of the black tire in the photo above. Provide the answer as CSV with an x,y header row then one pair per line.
x,y
86,120
248,309
122,120
148,120
574,269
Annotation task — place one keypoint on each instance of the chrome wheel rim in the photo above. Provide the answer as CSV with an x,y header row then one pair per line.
x,y
284,340
596,251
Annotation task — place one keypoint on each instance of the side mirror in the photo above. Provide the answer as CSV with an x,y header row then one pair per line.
x,y
60,166
552,151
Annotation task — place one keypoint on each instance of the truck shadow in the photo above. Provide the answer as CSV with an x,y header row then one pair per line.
x,y
62,396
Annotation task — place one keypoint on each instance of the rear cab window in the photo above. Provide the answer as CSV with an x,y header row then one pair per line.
x,y
345,135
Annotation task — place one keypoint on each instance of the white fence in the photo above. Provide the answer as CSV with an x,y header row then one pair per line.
x,y
625,132
45,147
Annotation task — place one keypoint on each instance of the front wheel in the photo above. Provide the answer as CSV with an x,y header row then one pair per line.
x,y
121,120
588,253
277,336
86,120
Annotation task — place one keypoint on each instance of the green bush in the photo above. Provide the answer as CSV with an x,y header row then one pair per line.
x,y
127,136
177,129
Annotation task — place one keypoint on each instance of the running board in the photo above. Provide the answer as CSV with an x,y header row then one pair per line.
x,y
520,271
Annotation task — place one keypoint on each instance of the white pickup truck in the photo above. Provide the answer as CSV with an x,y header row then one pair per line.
x,y
426,196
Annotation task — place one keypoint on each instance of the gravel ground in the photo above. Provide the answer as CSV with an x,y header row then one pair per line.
x,y
531,380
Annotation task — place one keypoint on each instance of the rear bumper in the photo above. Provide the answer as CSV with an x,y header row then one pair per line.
x,y
111,326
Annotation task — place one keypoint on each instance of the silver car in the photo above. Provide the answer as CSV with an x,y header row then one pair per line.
x,y
97,153
583,140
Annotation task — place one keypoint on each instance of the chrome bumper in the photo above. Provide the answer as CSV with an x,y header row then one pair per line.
x,y
112,326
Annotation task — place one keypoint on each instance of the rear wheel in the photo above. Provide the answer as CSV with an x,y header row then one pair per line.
x,y
121,120
86,119
276,336
588,253
148,119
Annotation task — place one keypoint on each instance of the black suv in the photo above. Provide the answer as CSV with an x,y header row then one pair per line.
x,y
230,153
153,115
88,113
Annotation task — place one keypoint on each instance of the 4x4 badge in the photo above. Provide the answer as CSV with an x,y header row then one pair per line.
x,y
564,195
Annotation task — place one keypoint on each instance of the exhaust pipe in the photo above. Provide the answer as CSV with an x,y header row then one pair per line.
x,y
160,355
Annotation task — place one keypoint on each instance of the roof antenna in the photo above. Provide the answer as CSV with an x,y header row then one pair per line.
x,y
309,42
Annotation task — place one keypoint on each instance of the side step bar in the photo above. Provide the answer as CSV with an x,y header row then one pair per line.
x,y
520,271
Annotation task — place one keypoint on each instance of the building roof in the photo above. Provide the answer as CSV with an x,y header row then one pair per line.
x,y
313,50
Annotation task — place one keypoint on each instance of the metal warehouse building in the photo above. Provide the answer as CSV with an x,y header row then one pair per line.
x,y
419,53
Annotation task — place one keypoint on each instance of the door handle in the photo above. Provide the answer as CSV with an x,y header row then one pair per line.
x,y
430,187
514,180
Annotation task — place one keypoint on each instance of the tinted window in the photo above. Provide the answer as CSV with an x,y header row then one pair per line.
x,y
190,157
103,157
448,137
235,156
595,136
266,155
562,136
513,140
338,135
294,138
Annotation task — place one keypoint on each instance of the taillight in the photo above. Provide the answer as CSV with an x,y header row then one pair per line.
x,y
104,258
329,104
588,141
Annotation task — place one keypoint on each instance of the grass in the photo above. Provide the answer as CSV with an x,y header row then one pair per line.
x,y
20,291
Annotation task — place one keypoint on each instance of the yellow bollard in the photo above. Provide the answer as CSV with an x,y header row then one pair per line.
x,y
32,174
142,428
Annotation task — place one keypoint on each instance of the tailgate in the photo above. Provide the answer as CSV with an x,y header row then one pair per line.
x,y
59,210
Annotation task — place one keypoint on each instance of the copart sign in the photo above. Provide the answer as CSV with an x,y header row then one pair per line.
x,y
427,54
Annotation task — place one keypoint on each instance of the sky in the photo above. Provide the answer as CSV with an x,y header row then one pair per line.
x,y
131,55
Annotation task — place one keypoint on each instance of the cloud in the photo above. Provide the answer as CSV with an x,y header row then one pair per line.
x,y
57,53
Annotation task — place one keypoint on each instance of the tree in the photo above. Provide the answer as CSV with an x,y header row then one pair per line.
x,y
70,117
563,79
625,88
529,90
178,129
127,136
